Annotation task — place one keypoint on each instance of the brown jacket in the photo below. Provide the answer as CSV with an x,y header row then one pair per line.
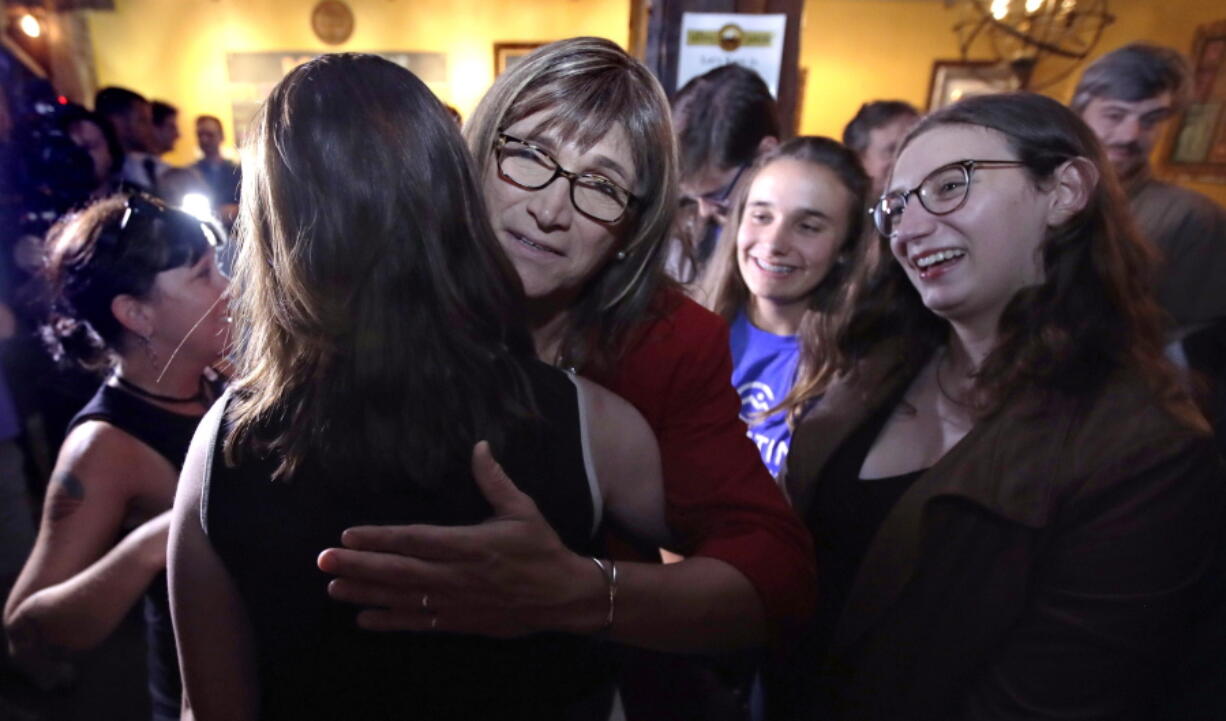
x,y
1190,231
1045,567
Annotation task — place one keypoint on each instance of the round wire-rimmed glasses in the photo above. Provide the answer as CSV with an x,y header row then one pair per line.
x,y
531,167
941,192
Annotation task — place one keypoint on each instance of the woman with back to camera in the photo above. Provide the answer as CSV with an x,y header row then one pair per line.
x,y
380,336
797,227
136,293
577,157
1014,503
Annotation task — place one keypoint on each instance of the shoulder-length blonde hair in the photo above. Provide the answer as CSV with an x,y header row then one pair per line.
x,y
729,296
586,87
380,326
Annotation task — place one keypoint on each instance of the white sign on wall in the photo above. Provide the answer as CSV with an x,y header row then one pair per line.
x,y
709,40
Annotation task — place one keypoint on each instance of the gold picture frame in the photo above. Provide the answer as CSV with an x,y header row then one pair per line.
x,y
953,80
1198,140
507,54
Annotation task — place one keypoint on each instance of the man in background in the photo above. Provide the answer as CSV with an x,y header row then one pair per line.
x,y
165,127
221,175
130,117
1126,97
874,134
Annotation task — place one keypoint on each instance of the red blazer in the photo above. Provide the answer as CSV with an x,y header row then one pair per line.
x,y
721,501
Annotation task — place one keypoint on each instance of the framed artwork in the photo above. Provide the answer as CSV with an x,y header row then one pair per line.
x,y
1199,145
252,77
507,54
953,80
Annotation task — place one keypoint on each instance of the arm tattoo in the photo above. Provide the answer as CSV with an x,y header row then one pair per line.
x,y
67,495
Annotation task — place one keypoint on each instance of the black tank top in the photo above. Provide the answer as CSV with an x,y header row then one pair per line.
x,y
846,513
312,659
169,434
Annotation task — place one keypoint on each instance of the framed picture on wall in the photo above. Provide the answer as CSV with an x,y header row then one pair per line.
x,y
507,54
1199,145
953,80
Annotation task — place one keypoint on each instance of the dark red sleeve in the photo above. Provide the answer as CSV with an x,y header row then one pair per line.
x,y
722,502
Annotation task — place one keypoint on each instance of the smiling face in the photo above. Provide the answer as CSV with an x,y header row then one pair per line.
x,y
796,216
986,250
555,248
1128,130
185,305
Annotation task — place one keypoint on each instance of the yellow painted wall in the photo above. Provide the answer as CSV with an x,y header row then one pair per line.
x,y
858,50
175,50
853,50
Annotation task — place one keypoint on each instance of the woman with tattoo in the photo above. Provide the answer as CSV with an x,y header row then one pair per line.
x,y
136,293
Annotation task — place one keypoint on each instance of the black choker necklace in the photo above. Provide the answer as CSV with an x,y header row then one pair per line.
x,y
129,385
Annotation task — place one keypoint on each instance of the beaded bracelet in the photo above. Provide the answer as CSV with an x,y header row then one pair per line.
x,y
608,568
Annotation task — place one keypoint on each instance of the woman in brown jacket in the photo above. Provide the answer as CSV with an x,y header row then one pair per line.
x,y
1014,504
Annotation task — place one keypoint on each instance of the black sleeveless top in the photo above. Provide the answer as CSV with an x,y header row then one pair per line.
x,y
315,663
846,513
169,434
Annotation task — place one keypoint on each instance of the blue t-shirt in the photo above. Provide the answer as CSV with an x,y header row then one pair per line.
x,y
763,370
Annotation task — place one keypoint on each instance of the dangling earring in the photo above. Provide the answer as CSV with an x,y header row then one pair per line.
x,y
150,353
621,255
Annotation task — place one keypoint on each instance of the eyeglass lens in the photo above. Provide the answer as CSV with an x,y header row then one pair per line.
x,y
532,168
943,191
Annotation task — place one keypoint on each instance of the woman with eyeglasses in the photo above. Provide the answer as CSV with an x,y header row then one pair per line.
x,y
136,294
578,161
381,336
1014,503
797,226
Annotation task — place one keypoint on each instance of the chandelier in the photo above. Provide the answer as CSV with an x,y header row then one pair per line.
x,y
1043,41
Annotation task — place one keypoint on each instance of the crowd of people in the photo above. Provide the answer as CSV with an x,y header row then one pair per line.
x,y
602,407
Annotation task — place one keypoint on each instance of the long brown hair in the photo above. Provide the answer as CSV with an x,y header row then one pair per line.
x,y
1093,312
730,295
380,327
587,86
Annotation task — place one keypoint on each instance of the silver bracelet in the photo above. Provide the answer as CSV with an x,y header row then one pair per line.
x,y
608,568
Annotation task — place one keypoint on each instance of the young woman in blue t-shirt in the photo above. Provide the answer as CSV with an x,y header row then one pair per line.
x,y
796,222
